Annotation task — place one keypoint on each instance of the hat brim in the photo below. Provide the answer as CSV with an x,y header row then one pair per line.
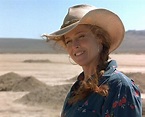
x,y
103,18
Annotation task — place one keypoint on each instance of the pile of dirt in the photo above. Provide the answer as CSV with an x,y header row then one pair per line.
x,y
39,92
7,81
28,83
52,96
37,61
15,82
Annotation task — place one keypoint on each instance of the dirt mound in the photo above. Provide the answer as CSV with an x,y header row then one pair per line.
x,y
49,96
39,93
37,61
29,83
14,82
8,80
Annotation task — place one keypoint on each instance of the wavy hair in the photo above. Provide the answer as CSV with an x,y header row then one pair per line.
x,y
92,84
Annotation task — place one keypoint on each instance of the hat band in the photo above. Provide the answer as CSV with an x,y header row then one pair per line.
x,y
67,23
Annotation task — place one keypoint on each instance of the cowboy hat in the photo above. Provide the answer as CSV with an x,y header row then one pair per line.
x,y
85,14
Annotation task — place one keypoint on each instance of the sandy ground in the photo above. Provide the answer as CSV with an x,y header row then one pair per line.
x,y
53,70
10,109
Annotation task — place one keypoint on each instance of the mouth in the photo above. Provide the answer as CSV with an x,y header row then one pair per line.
x,y
79,53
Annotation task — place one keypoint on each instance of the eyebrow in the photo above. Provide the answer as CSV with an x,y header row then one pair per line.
x,y
79,32
75,34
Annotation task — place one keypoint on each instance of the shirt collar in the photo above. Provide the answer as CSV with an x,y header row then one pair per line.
x,y
111,67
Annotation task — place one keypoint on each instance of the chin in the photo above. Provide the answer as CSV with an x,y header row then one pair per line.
x,y
82,63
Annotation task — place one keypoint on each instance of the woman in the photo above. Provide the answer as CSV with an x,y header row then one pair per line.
x,y
89,35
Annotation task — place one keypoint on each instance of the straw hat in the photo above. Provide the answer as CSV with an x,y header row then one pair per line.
x,y
85,14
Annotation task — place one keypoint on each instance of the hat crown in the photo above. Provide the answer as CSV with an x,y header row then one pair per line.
x,y
86,14
75,13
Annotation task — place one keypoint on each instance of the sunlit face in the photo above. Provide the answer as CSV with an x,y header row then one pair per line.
x,y
82,45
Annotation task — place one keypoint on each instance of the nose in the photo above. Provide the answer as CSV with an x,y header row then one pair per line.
x,y
75,43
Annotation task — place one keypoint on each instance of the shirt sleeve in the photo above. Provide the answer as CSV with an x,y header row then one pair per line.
x,y
124,100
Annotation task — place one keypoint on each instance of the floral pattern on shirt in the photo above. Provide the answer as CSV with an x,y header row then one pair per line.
x,y
124,98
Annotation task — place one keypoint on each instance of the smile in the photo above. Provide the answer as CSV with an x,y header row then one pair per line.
x,y
79,53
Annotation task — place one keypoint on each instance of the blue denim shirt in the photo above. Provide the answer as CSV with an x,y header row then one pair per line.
x,y
123,100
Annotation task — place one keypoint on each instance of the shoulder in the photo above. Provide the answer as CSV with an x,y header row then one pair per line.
x,y
113,77
118,80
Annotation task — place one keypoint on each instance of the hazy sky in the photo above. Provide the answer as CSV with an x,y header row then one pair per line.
x,y
31,18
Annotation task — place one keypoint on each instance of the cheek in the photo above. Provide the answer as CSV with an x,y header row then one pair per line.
x,y
94,50
69,51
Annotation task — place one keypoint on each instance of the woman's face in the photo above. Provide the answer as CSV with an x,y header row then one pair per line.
x,y
82,45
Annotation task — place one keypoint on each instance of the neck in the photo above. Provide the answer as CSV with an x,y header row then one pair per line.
x,y
90,68
89,71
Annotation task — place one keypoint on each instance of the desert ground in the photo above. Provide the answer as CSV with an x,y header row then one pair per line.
x,y
47,80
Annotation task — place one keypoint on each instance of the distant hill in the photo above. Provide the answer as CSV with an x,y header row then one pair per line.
x,y
134,42
11,45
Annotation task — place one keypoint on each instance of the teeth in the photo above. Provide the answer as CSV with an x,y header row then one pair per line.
x,y
79,53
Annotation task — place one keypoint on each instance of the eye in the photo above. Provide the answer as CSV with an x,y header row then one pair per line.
x,y
68,42
81,36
